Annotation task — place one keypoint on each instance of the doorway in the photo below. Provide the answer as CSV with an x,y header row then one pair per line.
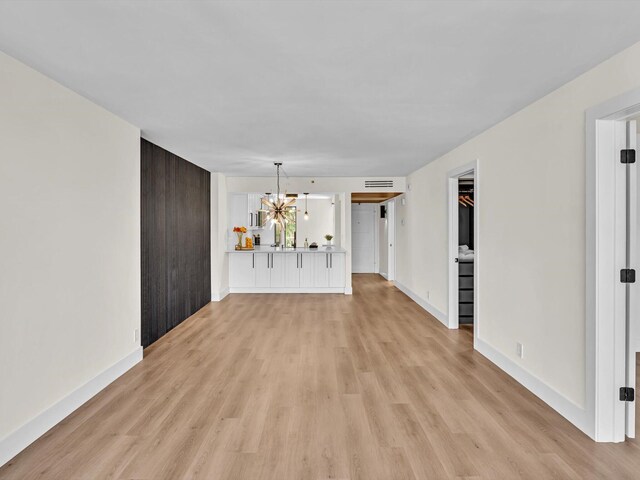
x,y
612,258
364,237
463,247
373,233
466,250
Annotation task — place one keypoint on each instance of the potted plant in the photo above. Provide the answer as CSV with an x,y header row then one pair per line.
x,y
239,231
328,238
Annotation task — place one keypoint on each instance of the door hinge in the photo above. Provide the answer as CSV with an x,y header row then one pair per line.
x,y
628,156
627,394
628,275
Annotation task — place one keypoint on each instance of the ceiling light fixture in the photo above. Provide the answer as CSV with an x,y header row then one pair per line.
x,y
277,208
306,210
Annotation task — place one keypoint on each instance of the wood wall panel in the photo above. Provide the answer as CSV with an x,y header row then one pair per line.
x,y
176,240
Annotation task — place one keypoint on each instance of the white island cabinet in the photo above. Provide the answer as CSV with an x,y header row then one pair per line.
x,y
270,270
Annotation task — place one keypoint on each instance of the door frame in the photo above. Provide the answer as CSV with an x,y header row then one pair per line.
x,y
605,335
453,206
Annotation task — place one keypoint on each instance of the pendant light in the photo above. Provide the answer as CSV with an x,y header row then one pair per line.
x,y
277,209
306,210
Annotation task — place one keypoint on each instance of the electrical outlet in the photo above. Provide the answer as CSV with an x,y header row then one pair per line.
x,y
520,349
136,335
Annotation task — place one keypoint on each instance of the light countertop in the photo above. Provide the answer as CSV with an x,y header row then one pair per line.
x,y
268,249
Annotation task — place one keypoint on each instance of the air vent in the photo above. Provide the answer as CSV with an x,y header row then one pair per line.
x,y
378,184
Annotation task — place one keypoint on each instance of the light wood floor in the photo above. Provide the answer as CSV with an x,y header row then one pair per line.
x,y
282,387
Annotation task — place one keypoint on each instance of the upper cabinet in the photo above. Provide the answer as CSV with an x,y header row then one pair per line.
x,y
238,210
254,201
243,210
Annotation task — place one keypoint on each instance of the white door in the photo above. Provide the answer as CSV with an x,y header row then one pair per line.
x,y
262,268
337,270
291,269
391,233
307,269
241,270
321,270
278,269
363,245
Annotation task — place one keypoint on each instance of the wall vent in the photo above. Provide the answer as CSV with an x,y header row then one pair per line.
x,y
378,184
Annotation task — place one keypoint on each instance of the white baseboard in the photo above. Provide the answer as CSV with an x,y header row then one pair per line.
x,y
565,407
285,290
20,439
575,414
348,291
219,296
442,317
383,275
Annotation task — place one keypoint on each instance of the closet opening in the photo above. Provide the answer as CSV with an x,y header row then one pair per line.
x,y
466,251
463,196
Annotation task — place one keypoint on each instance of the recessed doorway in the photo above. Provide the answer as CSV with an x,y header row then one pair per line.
x,y
463,248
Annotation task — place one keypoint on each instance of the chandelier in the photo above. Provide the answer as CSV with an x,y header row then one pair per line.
x,y
277,208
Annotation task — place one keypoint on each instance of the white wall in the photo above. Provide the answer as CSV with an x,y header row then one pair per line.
x,y
321,220
219,237
69,248
310,184
531,233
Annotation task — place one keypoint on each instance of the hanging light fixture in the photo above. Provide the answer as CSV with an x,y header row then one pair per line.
x,y
306,210
277,208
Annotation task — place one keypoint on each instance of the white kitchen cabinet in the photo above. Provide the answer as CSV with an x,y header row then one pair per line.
x,y
238,210
242,273
321,270
287,271
263,269
307,268
272,269
254,203
337,270
291,270
329,270
278,269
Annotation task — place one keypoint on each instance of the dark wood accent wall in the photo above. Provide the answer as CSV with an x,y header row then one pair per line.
x,y
176,240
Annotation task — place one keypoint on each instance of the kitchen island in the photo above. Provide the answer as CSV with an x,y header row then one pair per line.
x,y
287,270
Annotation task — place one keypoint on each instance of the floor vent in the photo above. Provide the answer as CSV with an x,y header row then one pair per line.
x,y
378,184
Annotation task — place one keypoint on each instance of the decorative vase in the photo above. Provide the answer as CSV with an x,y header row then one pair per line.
x,y
239,244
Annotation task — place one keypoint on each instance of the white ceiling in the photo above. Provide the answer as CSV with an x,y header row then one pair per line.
x,y
329,88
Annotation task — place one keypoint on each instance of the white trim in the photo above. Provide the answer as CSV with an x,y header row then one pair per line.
x,y
219,296
383,275
565,407
348,291
604,337
289,290
442,317
24,436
